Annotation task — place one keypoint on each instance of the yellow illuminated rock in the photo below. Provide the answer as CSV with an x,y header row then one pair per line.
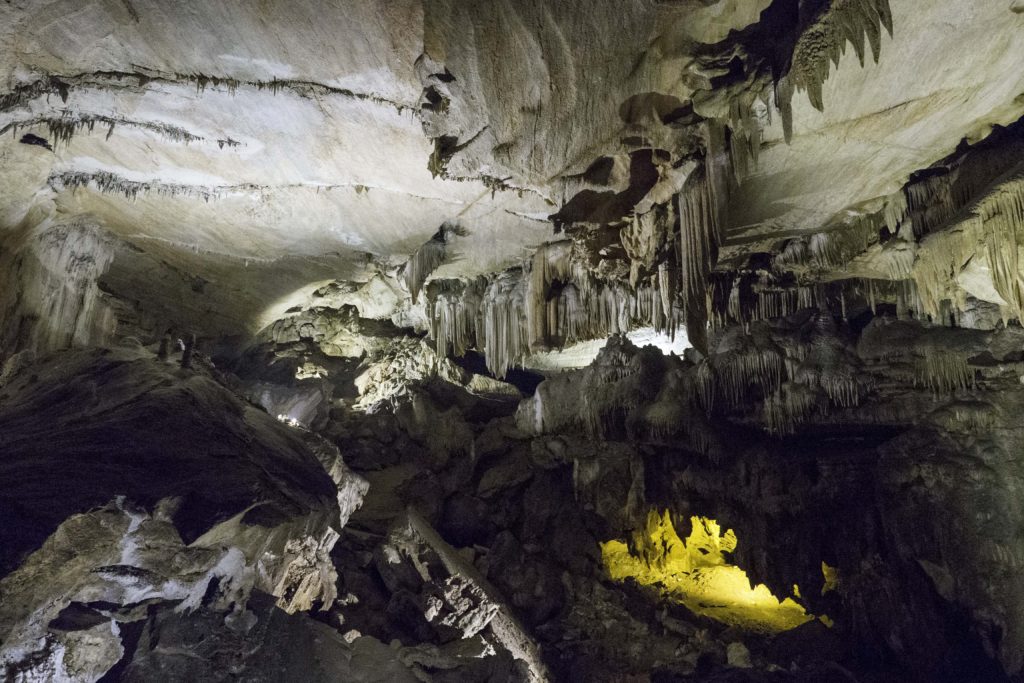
x,y
831,575
696,573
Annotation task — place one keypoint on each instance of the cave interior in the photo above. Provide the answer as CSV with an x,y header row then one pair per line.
x,y
518,341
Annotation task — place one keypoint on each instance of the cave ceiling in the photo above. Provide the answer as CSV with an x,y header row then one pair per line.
x,y
263,149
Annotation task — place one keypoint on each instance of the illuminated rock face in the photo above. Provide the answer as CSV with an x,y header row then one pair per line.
x,y
696,573
422,248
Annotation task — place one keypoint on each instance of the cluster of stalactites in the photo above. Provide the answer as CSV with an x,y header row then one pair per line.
x,y
792,391
969,208
566,304
834,248
823,44
748,115
823,376
943,371
932,201
1002,215
747,297
725,379
734,300
425,261
992,231
843,390
550,303
64,127
111,183
939,260
928,270
702,218
789,407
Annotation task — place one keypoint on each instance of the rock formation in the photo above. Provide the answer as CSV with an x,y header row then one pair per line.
x,y
540,340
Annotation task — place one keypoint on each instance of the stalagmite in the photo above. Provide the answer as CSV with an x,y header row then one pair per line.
x,y
187,351
697,571
165,347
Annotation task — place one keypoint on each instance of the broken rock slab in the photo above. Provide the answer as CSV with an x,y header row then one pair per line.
x,y
455,600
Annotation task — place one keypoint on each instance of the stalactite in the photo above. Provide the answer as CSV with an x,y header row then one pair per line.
x,y
823,44
699,233
644,236
63,128
481,314
745,134
991,230
504,313
728,377
786,409
836,246
703,205
895,212
426,260
667,292
943,371
784,91
1002,214
550,263
131,189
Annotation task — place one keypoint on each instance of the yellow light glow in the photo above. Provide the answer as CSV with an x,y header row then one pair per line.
x,y
695,573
